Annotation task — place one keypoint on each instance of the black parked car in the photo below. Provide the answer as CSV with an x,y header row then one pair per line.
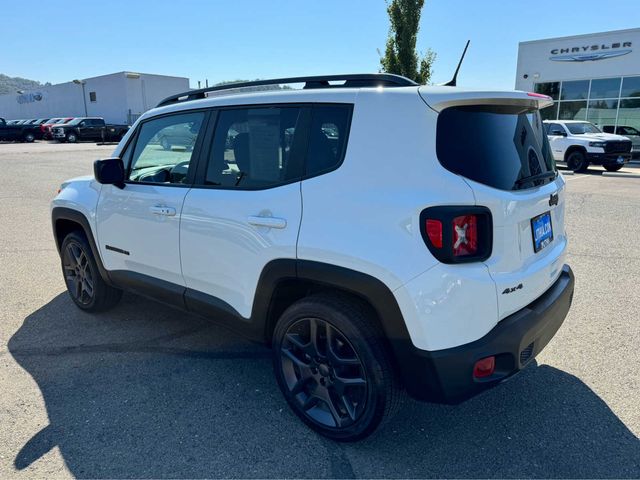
x,y
88,128
19,132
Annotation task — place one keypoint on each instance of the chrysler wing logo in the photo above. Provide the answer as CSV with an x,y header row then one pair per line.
x,y
589,57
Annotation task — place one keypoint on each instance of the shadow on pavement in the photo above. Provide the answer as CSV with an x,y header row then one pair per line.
x,y
147,391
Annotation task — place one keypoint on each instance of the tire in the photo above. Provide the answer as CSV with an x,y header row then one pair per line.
x,y
29,137
85,286
344,392
71,137
577,161
612,168
164,143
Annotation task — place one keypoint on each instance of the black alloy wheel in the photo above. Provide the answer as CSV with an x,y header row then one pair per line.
x,y
85,285
334,366
77,274
323,373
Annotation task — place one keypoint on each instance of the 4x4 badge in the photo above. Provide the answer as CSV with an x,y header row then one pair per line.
x,y
553,199
512,289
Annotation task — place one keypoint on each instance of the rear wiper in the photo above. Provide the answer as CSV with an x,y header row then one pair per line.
x,y
239,178
533,178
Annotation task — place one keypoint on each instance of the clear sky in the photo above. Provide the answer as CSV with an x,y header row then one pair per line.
x,y
247,39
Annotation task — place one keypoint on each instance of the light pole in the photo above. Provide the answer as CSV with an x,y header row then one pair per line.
x,y
84,97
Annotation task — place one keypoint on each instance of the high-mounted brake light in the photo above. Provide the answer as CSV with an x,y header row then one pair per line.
x,y
457,234
539,95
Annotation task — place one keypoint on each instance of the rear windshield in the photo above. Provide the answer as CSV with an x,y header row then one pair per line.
x,y
496,146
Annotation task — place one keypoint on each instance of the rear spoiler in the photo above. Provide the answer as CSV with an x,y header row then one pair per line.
x,y
439,98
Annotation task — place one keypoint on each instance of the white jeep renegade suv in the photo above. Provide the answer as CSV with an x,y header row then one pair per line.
x,y
379,235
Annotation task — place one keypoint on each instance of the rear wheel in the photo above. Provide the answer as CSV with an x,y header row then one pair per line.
x,y
86,287
334,367
577,161
612,168
71,137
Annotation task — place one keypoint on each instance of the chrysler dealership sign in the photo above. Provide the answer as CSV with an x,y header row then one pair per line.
x,y
586,53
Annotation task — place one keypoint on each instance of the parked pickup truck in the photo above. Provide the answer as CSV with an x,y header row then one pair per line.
x,y
20,133
88,128
580,144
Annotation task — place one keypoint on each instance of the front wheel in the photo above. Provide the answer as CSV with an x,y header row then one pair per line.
x,y
612,168
86,287
29,137
72,137
334,367
577,161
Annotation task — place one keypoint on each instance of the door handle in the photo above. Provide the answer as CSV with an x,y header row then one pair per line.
x,y
163,210
269,222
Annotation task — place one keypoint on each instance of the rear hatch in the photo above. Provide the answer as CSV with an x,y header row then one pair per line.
x,y
496,142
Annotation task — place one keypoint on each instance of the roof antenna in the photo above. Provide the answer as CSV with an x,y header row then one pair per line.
x,y
453,81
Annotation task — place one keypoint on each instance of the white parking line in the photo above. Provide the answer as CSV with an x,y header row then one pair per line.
x,y
576,177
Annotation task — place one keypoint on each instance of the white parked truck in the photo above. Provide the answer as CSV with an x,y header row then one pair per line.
x,y
580,144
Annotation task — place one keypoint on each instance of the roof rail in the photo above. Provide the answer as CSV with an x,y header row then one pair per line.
x,y
356,80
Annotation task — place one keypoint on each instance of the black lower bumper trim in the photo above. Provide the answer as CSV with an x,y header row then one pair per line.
x,y
446,376
608,158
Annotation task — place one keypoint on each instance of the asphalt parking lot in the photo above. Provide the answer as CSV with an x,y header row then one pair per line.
x,y
147,391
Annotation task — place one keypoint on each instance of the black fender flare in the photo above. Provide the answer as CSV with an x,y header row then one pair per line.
x,y
64,213
362,285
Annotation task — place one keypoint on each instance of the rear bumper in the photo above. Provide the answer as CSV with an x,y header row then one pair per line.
x,y
446,376
608,158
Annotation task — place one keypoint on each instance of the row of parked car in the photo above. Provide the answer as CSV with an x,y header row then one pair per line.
x,y
63,129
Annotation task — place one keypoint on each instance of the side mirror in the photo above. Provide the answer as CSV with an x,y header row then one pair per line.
x,y
109,171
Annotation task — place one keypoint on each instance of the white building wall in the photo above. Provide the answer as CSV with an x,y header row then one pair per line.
x,y
116,94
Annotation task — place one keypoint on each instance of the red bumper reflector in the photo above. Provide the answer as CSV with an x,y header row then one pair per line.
x,y
484,368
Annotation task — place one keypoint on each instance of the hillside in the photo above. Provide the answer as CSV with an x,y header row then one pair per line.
x,y
13,84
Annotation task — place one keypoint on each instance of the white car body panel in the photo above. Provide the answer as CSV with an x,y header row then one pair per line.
x,y
223,250
125,221
80,194
513,261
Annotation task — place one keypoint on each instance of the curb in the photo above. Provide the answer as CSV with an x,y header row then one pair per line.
x,y
566,172
620,174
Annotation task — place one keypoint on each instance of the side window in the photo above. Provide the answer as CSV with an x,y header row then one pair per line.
x,y
257,148
164,148
555,129
327,137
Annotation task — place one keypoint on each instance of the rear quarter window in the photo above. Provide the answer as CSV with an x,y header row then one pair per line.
x,y
495,146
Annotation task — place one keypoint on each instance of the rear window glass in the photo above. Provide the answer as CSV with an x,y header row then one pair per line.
x,y
495,146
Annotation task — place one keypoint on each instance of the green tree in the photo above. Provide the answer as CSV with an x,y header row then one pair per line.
x,y
400,56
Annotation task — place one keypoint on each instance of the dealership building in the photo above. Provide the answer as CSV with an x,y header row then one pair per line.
x,y
594,77
118,97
